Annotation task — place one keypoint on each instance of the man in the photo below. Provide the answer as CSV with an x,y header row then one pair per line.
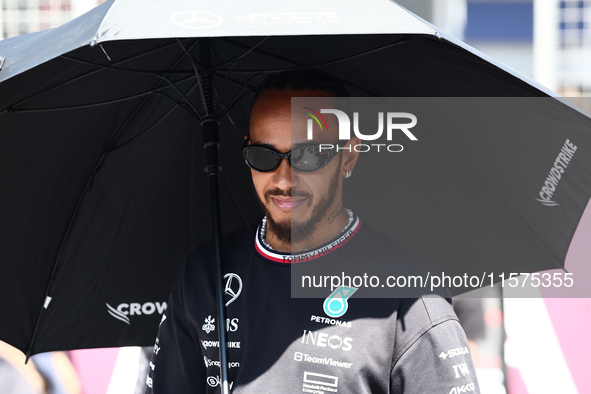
x,y
280,344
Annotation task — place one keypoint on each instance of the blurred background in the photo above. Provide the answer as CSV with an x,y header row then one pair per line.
x,y
520,346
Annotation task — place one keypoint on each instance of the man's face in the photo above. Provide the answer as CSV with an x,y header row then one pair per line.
x,y
295,202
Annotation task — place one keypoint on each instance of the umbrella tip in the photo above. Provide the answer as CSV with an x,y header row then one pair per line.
x,y
2,58
92,43
437,34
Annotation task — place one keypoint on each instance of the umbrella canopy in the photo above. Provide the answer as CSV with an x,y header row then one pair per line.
x,y
101,149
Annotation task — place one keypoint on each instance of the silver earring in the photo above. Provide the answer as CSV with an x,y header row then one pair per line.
x,y
347,174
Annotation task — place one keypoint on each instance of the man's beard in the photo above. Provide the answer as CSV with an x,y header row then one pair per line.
x,y
290,231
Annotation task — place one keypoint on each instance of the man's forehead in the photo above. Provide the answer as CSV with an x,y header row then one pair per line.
x,y
272,117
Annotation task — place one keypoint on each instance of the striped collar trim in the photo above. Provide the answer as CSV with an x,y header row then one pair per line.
x,y
287,258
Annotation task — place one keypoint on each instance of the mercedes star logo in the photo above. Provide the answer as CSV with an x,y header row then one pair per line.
x,y
196,19
233,287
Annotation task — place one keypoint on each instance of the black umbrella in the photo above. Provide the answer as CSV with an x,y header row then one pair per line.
x,y
103,123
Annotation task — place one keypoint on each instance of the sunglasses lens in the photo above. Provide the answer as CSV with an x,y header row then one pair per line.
x,y
261,158
306,158
309,158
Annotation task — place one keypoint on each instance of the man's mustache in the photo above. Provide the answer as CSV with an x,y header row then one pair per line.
x,y
286,193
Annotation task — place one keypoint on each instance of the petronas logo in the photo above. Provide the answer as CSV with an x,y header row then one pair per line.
x,y
336,304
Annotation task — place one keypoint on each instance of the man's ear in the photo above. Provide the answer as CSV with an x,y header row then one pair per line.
x,y
350,158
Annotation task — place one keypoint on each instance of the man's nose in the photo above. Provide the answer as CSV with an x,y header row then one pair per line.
x,y
285,177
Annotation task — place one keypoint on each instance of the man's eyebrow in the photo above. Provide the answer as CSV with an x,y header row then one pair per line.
x,y
294,146
264,145
306,143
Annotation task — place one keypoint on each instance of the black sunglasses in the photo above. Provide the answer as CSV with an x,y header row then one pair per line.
x,y
305,158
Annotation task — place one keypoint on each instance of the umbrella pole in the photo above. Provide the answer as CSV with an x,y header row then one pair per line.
x,y
210,125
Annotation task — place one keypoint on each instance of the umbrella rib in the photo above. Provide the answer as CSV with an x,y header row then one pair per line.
x,y
78,204
157,91
233,194
74,214
109,146
234,124
194,62
234,60
220,99
183,96
83,75
236,97
196,70
348,83
77,207
178,104
494,192
227,114
303,67
133,70
12,109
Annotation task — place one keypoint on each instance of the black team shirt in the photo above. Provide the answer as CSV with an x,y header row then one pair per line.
x,y
279,344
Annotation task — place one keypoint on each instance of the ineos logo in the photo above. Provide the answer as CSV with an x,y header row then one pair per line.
x,y
324,340
233,287
196,19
